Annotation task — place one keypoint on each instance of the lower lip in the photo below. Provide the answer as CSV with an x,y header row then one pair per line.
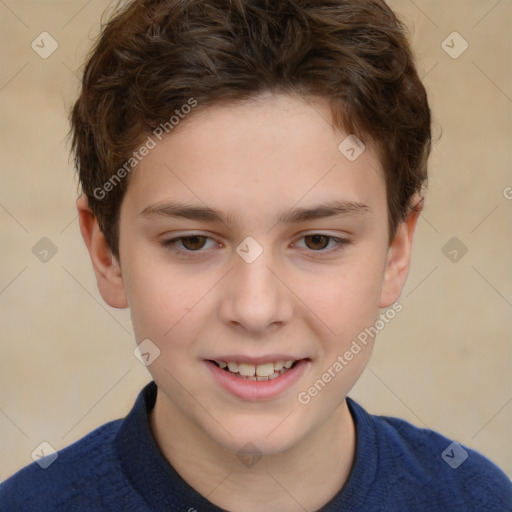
x,y
257,390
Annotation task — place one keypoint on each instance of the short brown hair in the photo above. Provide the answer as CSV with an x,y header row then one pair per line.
x,y
154,56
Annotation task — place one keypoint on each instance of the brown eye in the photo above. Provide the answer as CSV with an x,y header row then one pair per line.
x,y
190,246
193,243
317,242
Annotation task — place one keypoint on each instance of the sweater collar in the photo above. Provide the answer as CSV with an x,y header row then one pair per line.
x,y
163,489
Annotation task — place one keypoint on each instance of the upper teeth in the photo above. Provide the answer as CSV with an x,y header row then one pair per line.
x,y
260,370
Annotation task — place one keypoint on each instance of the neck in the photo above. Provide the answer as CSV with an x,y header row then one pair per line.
x,y
304,477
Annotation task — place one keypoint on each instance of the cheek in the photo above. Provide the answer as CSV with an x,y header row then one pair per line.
x,y
156,301
346,309
166,306
348,301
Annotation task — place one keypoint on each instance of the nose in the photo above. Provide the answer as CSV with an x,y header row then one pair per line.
x,y
255,298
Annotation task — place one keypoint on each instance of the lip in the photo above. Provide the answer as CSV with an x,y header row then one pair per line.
x,y
257,390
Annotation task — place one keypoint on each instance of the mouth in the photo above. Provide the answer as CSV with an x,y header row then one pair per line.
x,y
257,379
256,372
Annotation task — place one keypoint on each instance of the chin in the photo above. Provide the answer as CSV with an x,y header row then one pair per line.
x,y
264,438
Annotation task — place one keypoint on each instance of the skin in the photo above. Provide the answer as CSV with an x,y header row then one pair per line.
x,y
302,296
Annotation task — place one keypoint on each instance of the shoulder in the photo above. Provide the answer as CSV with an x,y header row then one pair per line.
x,y
51,483
426,469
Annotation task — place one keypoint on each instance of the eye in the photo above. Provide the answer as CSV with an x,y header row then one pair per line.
x,y
190,243
197,243
319,242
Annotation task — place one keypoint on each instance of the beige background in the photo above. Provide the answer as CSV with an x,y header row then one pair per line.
x,y
66,362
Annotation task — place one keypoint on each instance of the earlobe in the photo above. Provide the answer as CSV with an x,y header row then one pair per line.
x,y
106,267
399,256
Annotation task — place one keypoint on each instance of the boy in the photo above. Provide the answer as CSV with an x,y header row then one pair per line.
x,y
252,175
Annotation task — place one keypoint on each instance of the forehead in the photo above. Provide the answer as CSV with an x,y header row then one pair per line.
x,y
258,156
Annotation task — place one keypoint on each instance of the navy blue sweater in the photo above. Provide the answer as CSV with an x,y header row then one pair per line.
x,y
119,467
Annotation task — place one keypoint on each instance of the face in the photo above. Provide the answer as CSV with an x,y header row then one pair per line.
x,y
248,238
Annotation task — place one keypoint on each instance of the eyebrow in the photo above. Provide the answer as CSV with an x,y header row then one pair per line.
x,y
293,215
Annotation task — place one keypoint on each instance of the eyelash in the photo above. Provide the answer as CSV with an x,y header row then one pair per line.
x,y
172,243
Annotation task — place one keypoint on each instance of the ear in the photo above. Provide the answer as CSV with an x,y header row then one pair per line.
x,y
399,255
105,265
